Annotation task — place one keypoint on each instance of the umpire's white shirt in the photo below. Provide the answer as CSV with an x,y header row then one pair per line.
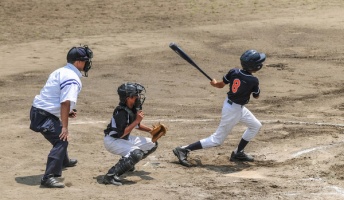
x,y
62,85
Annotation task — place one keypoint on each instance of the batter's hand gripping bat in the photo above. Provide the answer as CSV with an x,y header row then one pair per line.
x,y
182,54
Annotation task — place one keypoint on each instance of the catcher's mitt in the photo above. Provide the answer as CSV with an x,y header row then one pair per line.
x,y
158,131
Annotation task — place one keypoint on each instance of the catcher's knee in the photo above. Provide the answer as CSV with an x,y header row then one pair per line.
x,y
136,155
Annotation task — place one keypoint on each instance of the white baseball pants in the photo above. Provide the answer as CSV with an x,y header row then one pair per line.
x,y
232,114
124,147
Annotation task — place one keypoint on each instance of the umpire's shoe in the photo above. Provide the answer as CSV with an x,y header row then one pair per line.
x,y
51,182
241,156
111,179
71,163
182,155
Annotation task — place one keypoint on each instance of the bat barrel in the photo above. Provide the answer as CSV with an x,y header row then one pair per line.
x,y
182,54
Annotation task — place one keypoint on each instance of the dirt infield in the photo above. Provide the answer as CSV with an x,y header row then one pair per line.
x,y
299,150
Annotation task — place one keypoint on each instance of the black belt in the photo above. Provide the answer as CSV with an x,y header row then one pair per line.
x,y
117,137
231,102
114,136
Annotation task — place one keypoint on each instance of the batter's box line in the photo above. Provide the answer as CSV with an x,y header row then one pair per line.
x,y
301,123
317,148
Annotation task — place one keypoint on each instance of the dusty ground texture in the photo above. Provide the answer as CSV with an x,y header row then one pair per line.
x,y
299,150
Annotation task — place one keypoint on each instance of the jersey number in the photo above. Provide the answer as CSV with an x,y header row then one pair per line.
x,y
236,85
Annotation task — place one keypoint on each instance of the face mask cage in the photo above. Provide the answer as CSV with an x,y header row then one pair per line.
x,y
88,64
141,91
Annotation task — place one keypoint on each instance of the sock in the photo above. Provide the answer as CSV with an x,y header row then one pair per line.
x,y
194,146
242,145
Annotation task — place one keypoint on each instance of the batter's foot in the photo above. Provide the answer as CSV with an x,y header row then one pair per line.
x,y
182,155
241,156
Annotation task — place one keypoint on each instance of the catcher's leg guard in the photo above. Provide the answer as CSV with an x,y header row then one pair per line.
x,y
150,151
125,164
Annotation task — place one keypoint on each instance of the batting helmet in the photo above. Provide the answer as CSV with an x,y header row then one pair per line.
x,y
132,89
252,60
81,54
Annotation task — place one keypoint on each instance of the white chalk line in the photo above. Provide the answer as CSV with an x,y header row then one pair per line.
x,y
337,189
315,149
209,120
301,123
148,120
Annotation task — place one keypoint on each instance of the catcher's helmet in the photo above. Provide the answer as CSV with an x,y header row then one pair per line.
x,y
252,60
81,54
132,89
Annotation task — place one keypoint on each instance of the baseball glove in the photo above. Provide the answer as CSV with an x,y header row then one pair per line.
x,y
158,131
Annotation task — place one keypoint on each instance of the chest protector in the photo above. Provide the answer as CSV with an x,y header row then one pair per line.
x,y
131,118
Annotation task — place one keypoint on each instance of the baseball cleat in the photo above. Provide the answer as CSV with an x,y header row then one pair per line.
x,y
114,180
241,156
71,163
182,155
51,182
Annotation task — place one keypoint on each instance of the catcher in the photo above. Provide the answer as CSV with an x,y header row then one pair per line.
x,y
127,116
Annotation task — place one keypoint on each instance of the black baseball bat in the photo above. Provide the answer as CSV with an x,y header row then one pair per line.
x,y
182,54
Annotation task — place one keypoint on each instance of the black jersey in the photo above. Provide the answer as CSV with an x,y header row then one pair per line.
x,y
241,85
121,118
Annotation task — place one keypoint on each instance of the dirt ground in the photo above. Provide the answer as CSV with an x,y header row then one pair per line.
x,y
299,150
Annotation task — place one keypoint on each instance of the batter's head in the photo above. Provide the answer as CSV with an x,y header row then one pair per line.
x,y
81,54
252,60
132,89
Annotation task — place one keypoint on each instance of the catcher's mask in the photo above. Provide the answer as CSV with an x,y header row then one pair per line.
x,y
252,60
81,54
132,89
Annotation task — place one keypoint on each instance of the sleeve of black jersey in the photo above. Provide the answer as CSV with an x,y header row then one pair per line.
x,y
121,119
256,89
227,77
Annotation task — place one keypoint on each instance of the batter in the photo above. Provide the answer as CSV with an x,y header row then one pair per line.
x,y
241,85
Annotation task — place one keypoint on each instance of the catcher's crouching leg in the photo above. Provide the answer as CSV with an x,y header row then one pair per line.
x,y
123,165
150,151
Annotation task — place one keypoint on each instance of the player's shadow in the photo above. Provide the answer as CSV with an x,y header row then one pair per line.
x,y
29,180
227,168
33,180
142,174
234,166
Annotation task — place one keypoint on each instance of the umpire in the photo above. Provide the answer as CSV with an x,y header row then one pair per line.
x,y
54,105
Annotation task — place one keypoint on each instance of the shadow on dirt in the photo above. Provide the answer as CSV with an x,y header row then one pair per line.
x,y
29,180
142,174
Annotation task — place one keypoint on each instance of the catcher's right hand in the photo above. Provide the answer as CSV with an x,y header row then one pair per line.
x,y
158,131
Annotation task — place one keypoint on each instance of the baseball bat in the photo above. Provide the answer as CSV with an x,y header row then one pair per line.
x,y
182,54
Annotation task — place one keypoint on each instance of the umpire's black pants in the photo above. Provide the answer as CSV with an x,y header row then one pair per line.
x,y
50,127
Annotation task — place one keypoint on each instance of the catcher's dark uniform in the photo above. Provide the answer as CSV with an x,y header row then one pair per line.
x,y
121,118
